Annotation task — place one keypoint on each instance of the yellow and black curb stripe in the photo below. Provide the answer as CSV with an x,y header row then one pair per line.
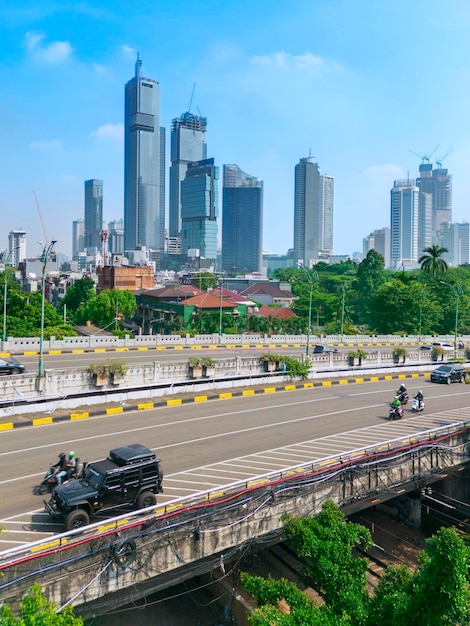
x,y
199,347
143,406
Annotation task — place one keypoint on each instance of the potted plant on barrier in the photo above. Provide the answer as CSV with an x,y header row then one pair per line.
x,y
271,361
195,367
296,368
99,373
116,369
398,353
356,356
437,353
208,364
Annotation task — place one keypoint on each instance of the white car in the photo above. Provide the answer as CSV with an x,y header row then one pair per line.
x,y
442,344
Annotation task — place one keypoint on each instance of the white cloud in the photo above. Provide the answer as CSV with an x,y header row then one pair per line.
x,y
285,61
109,131
129,52
52,145
99,69
54,52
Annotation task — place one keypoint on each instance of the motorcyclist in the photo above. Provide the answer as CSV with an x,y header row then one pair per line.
x,y
402,393
396,406
419,396
71,464
60,468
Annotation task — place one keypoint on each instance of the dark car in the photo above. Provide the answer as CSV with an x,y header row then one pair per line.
x,y
131,476
10,367
324,349
449,373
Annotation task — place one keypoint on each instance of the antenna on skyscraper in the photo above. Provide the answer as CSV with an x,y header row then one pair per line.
x,y
424,157
439,161
191,99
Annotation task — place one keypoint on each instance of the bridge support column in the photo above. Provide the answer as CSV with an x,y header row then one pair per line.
x,y
414,507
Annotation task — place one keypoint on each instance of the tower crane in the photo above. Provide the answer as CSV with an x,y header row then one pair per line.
x,y
46,238
439,161
424,157
191,99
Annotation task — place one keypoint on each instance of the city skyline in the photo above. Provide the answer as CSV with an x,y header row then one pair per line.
x,y
300,82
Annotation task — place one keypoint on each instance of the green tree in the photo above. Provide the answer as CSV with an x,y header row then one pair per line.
x,y
79,294
432,261
370,276
36,610
109,306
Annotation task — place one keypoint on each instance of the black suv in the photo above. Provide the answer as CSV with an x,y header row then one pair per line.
x,y
449,373
130,476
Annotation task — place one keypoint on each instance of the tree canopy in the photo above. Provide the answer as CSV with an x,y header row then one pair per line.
x,y
36,610
437,593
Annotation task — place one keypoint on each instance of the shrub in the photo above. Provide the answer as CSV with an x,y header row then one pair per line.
x,y
296,368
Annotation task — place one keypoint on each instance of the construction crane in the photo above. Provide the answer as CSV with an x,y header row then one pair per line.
x,y
424,157
46,238
439,161
191,99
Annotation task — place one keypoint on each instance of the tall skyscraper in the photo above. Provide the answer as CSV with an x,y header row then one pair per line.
x,y
313,212
16,247
144,164
438,184
242,221
93,213
78,237
188,143
200,209
404,223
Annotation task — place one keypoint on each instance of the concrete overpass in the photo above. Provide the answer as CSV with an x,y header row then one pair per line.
x,y
113,563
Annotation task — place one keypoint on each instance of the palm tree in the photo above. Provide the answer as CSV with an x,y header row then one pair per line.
x,y
431,261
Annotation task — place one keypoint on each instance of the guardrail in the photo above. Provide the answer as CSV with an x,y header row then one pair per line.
x,y
18,344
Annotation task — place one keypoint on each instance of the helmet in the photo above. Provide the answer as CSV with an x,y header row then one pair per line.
x,y
71,454
62,455
420,392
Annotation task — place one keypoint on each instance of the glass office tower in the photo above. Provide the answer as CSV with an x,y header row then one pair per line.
x,y
188,144
144,166
242,221
93,213
200,209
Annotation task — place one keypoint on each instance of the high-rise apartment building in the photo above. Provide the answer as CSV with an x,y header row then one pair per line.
x,y
200,209
456,238
378,240
78,237
404,223
116,236
16,247
144,164
93,213
313,213
188,144
242,221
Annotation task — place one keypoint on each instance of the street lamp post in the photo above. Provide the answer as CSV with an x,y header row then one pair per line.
x,y
312,277
220,310
4,332
45,255
457,291
343,287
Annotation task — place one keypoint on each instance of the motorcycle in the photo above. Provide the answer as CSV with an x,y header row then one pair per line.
x,y
49,482
416,407
403,397
395,413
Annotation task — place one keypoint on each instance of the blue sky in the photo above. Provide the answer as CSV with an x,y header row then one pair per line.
x,y
359,83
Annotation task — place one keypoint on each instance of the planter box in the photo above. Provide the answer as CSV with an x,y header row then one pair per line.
x,y
208,370
195,371
271,366
99,380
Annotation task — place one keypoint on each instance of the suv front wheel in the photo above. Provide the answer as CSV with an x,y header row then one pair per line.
x,y
77,519
146,499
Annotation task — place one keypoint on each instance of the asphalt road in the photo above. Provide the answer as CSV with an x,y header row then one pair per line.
x,y
189,438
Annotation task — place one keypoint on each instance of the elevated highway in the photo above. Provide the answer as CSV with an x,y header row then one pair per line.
x,y
215,449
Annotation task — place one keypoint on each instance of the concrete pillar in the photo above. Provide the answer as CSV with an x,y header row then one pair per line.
x,y
414,507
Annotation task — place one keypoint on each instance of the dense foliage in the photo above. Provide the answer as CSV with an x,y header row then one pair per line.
x,y
35,610
437,593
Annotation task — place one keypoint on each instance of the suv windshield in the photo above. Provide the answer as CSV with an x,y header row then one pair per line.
x,y
94,478
444,368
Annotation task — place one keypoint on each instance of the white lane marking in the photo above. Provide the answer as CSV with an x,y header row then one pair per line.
x,y
164,424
